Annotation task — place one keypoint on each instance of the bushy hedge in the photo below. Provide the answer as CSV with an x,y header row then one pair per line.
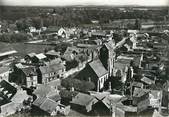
x,y
79,85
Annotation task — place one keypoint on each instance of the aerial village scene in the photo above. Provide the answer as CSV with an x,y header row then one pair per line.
x,y
110,61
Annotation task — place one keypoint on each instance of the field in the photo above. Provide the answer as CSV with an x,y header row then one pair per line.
x,y
22,48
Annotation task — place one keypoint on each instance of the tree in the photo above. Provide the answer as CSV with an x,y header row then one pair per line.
x,y
79,85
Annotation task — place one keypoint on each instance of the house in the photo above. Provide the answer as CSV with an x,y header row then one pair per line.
x,y
24,75
29,57
51,71
83,102
48,100
39,58
141,99
47,105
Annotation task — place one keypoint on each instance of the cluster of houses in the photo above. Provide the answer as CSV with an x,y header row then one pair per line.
x,y
130,76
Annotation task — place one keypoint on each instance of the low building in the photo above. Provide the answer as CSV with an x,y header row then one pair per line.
x,y
39,58
24,75
29,57
70,53
50,105
83,102
51,71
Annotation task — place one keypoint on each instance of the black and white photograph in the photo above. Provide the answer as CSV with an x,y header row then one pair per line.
x,y
84,58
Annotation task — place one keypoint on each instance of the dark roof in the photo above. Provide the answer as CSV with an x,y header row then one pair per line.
x,y
7,91
129,42
98,68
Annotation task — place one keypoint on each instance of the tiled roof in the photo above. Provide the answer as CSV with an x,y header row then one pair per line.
x,y
82,99
49,105
98,68
51,68
39,101
42,90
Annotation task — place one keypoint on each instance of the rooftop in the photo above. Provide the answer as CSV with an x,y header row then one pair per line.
x,y
53,53
40,56
98,68
82,99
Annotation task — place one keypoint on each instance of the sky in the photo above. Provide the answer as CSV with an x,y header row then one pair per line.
x,y
84,2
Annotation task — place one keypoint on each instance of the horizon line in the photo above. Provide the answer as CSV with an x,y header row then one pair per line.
x,y
86,5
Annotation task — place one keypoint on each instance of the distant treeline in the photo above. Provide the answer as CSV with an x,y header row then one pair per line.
x,y
12,37
74,16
